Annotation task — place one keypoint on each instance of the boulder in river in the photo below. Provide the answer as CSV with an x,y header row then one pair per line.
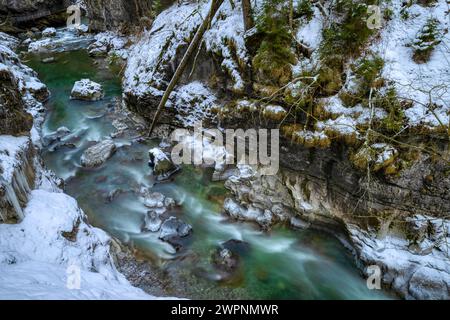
x,y
49,32
173,229
87,90
152,221
227,257
97,155
163,167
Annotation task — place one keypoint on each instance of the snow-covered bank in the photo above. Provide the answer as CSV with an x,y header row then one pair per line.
x,y
54,254
48,250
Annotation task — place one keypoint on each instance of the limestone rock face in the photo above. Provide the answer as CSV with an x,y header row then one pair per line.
x,y
18,14
117,14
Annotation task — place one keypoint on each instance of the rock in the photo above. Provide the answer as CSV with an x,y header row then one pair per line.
x,y
88,90
162,166
49,60
152,221
154,200
113,195
98,51
97,155
226,259
56,140
13,117
49,32
173,229
116,14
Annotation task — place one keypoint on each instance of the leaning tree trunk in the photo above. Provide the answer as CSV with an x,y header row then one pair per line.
x,y
247,12
183,64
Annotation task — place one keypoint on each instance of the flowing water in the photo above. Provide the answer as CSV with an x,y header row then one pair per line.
x,y
282,264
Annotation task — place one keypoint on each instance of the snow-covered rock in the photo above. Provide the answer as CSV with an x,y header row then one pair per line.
x,y
162,166
98,154
173,228
88,90
49,32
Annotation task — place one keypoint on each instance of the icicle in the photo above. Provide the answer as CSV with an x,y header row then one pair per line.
x,y
12,199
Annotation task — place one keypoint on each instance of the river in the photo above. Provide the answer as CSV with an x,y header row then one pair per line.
x,y
281,264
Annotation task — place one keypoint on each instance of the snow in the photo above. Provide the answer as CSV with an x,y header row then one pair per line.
x,y
343,125
110,43
36,259
274,109
170,30
11,149
310,32
360,114
173,29
414,81
416,275
228,27
193,102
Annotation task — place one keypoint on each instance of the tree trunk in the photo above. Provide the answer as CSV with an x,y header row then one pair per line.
x,y
247,12
183,64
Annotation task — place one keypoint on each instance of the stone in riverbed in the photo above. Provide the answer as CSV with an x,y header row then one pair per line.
x,y
173,229
152,221
162,166
226,258
97,155
87,90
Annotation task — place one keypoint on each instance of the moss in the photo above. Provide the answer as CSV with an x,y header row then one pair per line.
x,y
330,81
426,40
274,57
395,120
347,36
273,115
367,72
304,9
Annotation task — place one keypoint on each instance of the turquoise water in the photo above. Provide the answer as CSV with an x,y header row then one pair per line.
x,y
282,264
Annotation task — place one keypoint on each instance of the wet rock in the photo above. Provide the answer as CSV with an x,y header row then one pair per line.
x,y
60,133
49,60
113,194
154,200
58,139
87,90
162,166
152,221
49,32
173,229
97,155
98,51
226,259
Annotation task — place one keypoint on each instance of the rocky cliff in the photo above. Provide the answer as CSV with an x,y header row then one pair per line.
x,y
362,112
118,14
18,15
